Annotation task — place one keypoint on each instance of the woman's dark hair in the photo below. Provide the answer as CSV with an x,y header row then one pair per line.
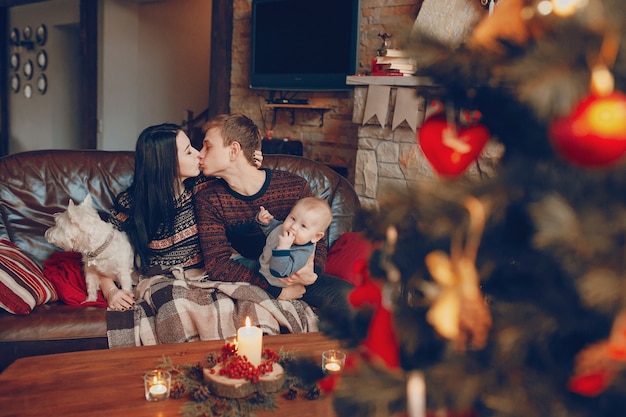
x,y
154,188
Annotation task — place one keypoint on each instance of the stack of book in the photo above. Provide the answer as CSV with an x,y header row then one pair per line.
x,y
395,62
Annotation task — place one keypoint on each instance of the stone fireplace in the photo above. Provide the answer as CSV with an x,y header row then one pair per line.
x,y
388,151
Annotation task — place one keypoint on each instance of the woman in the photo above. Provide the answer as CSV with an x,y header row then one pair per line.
x,y
156,211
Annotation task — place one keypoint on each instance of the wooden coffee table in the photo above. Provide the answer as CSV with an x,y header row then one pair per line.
x,y
110,382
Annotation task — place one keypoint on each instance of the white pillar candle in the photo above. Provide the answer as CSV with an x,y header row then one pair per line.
x,y
416,394
250,343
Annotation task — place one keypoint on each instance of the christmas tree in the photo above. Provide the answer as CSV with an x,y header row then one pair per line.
x,y
504,296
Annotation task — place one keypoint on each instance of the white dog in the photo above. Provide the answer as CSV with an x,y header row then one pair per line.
x,y
106,251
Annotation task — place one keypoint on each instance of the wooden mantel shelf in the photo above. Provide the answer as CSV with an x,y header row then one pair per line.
x,y
394,81
321,109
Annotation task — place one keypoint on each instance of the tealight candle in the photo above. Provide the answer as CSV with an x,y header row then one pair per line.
x,y
250,343
231,340
157,385
333,361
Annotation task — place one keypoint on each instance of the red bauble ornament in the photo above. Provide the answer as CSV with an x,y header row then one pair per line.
x,y
449,149
594,135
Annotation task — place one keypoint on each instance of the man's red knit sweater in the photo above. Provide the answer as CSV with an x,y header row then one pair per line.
x,y
226,224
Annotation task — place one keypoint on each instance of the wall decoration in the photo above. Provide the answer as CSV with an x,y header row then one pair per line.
x,y
28,91
41,35
42,59
15,83
15,36
28,33
42,84
28,69
14,61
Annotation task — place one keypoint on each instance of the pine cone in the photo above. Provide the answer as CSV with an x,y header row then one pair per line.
x,y
220,406
258,398
200,393
211,360
291,394
177,390
313,393
195,372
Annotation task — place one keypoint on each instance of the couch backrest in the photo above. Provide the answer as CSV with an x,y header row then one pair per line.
x,y
35,185
325,183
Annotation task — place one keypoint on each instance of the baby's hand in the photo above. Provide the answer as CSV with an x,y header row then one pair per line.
x,y
285,240
264,216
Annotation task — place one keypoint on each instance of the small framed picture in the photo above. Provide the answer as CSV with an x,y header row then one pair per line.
x,y
42,84
15,36
28,69
15,83
28,91
42,59
28,33
41,35
14,61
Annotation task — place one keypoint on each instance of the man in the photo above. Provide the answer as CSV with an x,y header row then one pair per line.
x,y
227,206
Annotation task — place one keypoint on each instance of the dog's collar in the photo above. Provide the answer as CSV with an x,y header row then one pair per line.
x,y
92,255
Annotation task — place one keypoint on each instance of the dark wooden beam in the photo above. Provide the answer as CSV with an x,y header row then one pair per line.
x,y
89,62
4,75
221,57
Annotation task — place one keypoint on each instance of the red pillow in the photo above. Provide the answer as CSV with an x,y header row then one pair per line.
x,y
347,250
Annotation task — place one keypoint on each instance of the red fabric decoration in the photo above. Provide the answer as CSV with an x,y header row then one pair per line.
x,y
328,384
350,248
65,271
591,384
381,340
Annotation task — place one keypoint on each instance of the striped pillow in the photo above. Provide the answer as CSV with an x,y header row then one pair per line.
x,y
22,283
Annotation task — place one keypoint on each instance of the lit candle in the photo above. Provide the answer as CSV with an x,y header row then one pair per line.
x,y
158,389
333,367
333,361
416,394
157,385
250,343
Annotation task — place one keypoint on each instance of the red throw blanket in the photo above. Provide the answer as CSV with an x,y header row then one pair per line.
x,y
65,272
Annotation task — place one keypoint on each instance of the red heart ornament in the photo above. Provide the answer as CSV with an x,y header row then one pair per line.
x,y
450,152
594,135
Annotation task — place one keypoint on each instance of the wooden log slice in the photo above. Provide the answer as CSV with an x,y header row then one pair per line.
x,y
238,388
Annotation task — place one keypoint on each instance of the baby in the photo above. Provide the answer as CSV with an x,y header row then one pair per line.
x,y
288,247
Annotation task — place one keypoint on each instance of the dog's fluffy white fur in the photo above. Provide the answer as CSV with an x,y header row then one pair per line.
x,y
80,229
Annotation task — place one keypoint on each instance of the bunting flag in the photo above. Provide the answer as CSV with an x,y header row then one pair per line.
x,y
408,107
377,103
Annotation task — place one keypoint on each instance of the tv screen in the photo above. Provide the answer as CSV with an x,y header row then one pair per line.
x,y
300,45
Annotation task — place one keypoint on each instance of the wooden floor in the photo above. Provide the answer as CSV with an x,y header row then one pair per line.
x,y
110,383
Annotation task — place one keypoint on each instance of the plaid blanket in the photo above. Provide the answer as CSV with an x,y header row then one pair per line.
x,y
202,310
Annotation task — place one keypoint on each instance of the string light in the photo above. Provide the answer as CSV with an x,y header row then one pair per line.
x,y
567,7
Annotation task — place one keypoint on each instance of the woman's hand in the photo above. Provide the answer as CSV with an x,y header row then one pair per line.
x,y
257,158
292,292
119,299
116,299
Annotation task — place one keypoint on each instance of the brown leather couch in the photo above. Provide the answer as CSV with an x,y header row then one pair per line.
x,y
35,185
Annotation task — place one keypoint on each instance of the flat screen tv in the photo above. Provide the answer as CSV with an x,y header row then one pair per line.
x,y
303,45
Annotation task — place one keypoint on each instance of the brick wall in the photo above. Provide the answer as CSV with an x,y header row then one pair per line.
x,y
335,143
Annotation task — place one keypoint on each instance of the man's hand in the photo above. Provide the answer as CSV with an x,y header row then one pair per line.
x,y
264,216
305,276
292,292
